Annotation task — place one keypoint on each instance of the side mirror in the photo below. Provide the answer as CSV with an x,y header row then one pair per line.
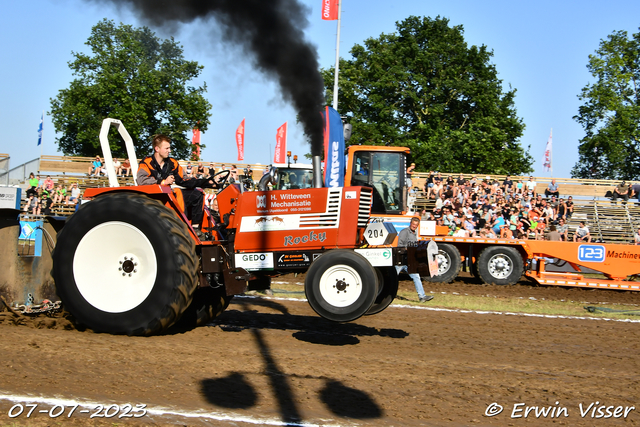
x,y
347,128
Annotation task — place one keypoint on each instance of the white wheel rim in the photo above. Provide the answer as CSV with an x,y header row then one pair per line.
x,y
443,262
340,286
115,267
500,266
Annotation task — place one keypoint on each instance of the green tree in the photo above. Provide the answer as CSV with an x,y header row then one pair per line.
x,y
424,88
133,76
610,115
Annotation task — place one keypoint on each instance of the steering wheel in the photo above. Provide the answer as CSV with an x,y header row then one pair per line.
x,y
225,178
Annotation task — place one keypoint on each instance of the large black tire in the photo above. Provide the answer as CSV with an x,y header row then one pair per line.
x,y
207,304
341,285
125,264
448,264
500,265
388,285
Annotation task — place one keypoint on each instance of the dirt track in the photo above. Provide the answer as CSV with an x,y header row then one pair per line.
x,y
275,360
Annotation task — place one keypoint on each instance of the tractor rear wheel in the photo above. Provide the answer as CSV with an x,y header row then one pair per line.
x,y
207,304
125,264
341,285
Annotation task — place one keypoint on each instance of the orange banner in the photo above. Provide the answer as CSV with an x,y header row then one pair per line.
x,y
330,9
240,140
281,144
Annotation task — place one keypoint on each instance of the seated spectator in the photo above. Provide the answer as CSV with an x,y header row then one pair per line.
x,y
33,185
513,219
540,229
547,212
460,232
505,232
621,192
45,204
562,210
437,178
74,194
553,235
470,226
531,187
582,233
563,229
200,172
497,223
248,172
59,194
436,190
507,184
552,189
48,185
125,168
188,170
637,236
95,167
233,176
569,204
117,166
533,227
212,170
32,204
487,232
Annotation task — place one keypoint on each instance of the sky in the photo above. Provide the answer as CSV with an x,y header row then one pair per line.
x,y
540,48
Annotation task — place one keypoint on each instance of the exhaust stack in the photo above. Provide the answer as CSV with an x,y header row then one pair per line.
x,y
317,172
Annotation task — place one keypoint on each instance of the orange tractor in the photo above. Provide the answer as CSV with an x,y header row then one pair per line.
x,y
129,262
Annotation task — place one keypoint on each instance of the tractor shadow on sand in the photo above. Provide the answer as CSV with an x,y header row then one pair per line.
x,y
235,391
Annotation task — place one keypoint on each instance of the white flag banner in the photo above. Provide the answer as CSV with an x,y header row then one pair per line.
x,y
546,160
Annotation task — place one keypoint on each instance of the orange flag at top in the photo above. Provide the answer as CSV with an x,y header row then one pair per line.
x,y
330,9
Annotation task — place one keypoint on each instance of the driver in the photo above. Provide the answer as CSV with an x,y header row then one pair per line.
x,y
161,169
293,180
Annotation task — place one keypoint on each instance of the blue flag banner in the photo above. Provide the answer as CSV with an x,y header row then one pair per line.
x,y
334,164
40,129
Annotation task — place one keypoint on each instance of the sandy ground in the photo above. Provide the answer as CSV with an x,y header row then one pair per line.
x,y
273,361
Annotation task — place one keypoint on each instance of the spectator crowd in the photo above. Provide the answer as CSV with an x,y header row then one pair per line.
x,y
491,209
44,193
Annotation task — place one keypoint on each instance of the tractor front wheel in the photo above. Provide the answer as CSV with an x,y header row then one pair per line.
x,y
341,285
388,289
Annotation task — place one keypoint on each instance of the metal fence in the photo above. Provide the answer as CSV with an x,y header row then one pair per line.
x,y
20,174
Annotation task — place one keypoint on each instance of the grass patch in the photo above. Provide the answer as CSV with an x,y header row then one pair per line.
x,y
487,303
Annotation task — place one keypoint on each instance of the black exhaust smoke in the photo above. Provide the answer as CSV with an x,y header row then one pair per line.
x,y
272,32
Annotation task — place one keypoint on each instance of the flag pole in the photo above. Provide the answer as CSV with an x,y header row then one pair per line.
x,y
335,83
